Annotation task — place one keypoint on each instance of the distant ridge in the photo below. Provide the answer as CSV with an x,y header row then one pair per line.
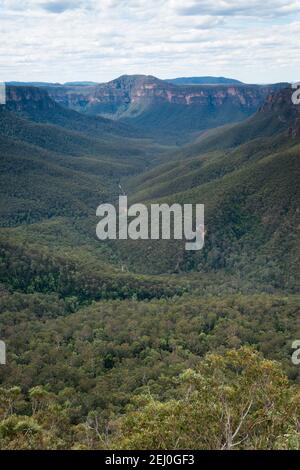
x,y
36,84
175,81
203,81
46,84
162,110
80,83
168,112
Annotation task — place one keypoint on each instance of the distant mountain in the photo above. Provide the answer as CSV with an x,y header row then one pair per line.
x,y
37,84
47,84
80,83
203,81
169,112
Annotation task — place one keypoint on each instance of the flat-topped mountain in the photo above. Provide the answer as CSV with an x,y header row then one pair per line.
x,y
168,111
204,81
129,94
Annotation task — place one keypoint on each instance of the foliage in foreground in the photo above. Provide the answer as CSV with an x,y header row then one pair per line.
x,y
238,400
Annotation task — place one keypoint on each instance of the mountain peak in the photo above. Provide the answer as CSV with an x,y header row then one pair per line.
x,y
136,77
133,80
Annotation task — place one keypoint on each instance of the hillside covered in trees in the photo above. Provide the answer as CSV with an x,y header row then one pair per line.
x,y
140,344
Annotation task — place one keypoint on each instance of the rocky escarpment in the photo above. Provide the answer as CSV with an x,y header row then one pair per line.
x,y
131,95
280,106
157,109
34,103
28,99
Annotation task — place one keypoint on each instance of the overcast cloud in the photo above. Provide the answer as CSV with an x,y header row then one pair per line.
x,y
68,40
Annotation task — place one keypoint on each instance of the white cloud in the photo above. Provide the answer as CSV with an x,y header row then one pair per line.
x,y
60,6
254,8
99,40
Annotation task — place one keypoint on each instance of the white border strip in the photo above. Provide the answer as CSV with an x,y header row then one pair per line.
x,y
2,93
2,353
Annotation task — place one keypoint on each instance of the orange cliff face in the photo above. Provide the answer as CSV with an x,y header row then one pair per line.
x,y
22,98
151,89
138,91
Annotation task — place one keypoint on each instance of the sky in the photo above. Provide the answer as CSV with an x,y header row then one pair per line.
x,y
256,41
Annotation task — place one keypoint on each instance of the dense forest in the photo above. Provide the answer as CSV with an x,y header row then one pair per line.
x,y
141,345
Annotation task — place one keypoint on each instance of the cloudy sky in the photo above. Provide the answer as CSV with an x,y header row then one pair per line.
x,y
68,40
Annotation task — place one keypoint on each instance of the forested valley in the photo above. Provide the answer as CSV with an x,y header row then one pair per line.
x,y
140,344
